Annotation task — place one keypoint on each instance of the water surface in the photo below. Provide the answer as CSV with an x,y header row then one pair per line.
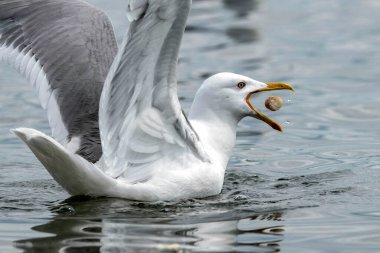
x,y
314,188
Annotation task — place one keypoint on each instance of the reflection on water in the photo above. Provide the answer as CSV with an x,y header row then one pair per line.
x,y
255,233
242,7
242,35
314,188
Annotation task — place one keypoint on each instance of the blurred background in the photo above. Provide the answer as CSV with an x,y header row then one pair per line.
x,y
313,188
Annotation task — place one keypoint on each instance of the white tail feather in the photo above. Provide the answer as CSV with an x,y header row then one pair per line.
x,y
71,171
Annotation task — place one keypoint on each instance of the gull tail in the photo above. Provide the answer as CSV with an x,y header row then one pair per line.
x,y
75,174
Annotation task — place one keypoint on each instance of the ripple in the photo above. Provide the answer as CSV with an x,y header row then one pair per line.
x,y
242,8
93,229
356,114
79,249
242,34
373,214
341,229
293,164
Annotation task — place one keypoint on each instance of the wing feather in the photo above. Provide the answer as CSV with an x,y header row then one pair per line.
x,y
141,120
65,49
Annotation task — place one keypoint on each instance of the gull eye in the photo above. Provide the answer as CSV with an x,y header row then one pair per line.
x,y
241,85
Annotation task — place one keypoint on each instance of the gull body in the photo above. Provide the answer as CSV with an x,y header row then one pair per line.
x,y
216,111
127,136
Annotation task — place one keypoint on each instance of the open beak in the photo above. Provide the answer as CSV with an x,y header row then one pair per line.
x,y
260,115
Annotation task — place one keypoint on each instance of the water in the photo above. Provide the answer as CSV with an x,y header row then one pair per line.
x,y
312,189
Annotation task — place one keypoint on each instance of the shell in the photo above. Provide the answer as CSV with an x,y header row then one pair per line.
x,y
273,103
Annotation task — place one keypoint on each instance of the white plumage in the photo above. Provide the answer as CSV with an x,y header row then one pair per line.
x,y
151,150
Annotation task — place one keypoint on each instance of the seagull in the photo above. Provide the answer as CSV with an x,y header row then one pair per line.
x,y
118,129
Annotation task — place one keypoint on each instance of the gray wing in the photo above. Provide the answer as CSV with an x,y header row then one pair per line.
x,y
65,49
141,120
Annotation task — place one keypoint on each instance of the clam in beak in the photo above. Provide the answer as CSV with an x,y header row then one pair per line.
x,y
260,115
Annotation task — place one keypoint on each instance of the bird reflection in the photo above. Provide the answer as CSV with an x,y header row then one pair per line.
x,y
139,233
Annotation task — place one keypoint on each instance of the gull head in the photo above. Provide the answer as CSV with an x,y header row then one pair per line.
x,y
228,96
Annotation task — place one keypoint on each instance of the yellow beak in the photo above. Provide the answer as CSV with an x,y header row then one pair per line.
x,y
260,115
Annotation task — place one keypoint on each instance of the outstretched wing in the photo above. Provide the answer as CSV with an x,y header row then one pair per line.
x,y
65,49
141,120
